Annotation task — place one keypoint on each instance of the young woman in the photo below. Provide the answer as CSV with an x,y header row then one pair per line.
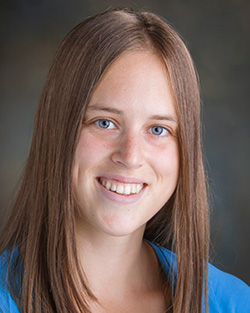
x,y
115,178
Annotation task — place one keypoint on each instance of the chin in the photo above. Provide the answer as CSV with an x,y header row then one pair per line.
x,y
121,229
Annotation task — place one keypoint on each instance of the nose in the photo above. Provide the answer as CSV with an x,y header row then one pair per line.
x,y
128,152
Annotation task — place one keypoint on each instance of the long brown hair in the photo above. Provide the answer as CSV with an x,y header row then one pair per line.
x,y
41,224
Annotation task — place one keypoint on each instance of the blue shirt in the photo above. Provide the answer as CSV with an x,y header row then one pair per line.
x,y
226,293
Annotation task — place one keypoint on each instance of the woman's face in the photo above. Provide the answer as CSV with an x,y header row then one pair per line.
x,y
126,162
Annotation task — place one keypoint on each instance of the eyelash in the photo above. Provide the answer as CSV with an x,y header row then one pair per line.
x,y
104,120
164,131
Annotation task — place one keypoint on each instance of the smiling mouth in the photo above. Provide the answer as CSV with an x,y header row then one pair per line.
x,y
121,188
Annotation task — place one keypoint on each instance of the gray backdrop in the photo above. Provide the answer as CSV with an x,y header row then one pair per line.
x,y
217,34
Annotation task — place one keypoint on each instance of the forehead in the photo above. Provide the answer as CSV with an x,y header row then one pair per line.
x,y
131,63
136,77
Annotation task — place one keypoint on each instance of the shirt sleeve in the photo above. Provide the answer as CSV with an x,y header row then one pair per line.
x,y
7,304
227,293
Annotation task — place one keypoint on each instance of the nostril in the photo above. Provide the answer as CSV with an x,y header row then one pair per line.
x,y
128,153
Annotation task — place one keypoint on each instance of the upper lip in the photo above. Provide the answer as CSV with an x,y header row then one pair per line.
x,y
123,179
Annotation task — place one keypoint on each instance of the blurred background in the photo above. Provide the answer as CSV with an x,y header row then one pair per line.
x,y
217,33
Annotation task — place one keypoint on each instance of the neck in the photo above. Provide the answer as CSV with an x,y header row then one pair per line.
x,y
118,268
121,263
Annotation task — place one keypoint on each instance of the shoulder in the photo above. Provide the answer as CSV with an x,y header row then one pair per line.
x,y
7,260
167,260
227,293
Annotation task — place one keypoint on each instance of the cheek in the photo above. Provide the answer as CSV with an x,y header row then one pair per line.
x,y
166,161
166,166
89,152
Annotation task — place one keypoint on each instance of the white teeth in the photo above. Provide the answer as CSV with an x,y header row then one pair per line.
x,y
120,189
140,188
125,189
134,189
108,185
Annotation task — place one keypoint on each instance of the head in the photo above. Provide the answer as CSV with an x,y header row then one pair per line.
x,y
126,161
82,59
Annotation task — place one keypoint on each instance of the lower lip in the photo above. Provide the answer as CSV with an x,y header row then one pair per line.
x,y
116,197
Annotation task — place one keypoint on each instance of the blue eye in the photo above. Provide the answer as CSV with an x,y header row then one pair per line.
x,y
159,131
105,124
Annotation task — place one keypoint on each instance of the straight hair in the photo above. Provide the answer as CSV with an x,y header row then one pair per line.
x,y
41,224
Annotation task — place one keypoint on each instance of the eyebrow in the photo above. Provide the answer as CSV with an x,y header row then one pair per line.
x,y
96,107
164,118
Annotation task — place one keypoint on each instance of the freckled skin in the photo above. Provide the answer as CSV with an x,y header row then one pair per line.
x,y
137,85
